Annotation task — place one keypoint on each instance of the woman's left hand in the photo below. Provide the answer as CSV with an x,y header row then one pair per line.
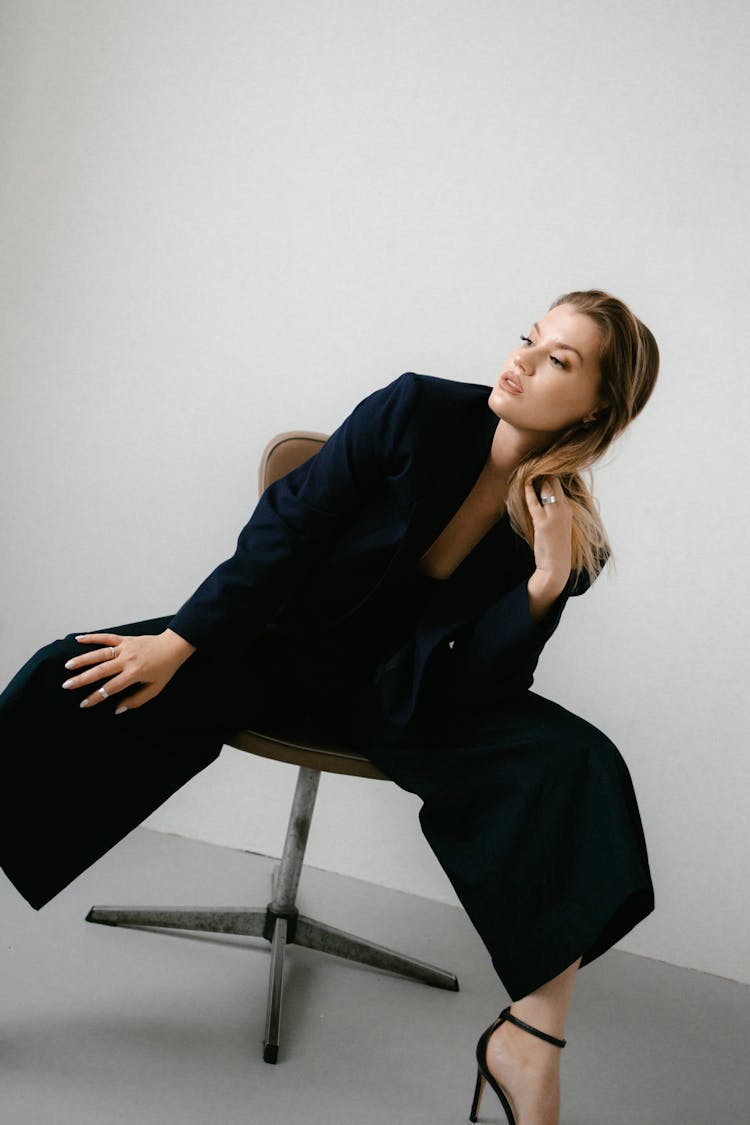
x,y
150,660
553,526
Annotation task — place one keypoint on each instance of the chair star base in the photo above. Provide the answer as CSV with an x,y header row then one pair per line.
x,y
279,922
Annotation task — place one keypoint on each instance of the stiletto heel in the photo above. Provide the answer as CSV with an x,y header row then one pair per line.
x,y
478,1091
483,1074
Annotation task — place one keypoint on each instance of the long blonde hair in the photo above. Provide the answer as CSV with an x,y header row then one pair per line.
x,y
629,365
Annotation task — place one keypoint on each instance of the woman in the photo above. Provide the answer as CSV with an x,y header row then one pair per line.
x,y
401,583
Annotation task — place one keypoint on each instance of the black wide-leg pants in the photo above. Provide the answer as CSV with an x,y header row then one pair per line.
x,y
75,781
531,812
529,809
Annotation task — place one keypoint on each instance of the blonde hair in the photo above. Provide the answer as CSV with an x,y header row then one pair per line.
x,y
629,365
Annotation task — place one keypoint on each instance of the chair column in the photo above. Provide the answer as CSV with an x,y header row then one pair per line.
x,y
295,843
281,912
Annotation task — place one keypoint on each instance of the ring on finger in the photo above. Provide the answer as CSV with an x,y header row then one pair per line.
x,y
103,693
549,499
114,654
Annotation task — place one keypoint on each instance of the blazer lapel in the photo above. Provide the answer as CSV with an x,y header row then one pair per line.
x,y
443,477
448,480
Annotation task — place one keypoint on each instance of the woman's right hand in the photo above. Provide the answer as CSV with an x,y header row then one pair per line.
x,y
553,525
147,660
553,528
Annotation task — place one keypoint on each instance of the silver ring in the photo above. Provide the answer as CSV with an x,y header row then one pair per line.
x,y
114,654
103,693
549,499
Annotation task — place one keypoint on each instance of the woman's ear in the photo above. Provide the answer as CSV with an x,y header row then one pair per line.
x,y
595,413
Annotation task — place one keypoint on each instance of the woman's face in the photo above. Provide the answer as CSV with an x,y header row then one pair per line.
x,y
552,378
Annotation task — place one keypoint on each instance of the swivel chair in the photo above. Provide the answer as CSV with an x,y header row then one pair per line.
x,y
280,922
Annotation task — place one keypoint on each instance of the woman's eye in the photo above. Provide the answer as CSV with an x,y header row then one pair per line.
x,y
558,362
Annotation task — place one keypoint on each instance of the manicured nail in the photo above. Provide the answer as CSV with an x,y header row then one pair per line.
x,y
80,636
70,664
84,703
119,710
67,683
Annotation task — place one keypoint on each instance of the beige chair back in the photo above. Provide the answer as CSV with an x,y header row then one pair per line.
x,y
285,452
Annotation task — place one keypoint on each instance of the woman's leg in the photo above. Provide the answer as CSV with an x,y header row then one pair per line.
x,y
528,1068
531,812
76,781
547,1007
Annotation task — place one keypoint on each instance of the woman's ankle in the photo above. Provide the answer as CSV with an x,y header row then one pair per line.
x,y
539,1014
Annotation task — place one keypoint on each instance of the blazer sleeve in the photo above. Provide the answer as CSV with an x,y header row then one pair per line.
x,y
500,649
492,655
294,522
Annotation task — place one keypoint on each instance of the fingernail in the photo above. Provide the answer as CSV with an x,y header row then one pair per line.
x,y
67,683
84,703
119,710
80,636
69,664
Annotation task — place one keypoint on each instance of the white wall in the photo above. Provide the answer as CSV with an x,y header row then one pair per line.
x,y
225,219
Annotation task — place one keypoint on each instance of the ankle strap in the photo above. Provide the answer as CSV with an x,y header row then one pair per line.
x,y
506,1014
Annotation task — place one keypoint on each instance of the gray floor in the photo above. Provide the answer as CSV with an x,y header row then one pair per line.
x,y
101,1025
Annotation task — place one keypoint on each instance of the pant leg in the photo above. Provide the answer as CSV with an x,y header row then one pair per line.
x,y
76,781
531,812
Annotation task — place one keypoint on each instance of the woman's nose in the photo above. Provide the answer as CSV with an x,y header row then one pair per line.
x,y
524,365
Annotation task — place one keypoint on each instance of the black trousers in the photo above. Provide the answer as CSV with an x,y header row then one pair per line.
x,y
529,809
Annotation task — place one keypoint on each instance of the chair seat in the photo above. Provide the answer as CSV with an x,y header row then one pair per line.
x,y
314,750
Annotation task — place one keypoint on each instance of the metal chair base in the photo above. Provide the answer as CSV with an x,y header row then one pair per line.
x,y
279,922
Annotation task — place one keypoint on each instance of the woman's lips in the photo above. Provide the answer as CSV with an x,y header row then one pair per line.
x,y
510,384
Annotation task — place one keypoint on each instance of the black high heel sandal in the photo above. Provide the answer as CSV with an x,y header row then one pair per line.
x,y
483,1074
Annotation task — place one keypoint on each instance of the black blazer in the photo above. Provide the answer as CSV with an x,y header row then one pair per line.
x,y
343,526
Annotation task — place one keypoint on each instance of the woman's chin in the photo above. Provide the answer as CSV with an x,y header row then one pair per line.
x,y
495,402
498,401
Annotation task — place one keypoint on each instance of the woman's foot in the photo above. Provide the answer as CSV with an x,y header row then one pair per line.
x,y
528,1069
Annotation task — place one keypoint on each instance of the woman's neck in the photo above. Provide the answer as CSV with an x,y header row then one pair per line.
x,y
508,449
